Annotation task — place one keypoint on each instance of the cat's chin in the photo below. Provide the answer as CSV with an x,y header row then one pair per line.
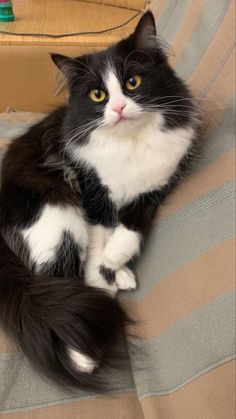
x,y
125,126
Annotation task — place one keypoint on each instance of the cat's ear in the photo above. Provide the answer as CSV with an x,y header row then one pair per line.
x,y
145,33
66,65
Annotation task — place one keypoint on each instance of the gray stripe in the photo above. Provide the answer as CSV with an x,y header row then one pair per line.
x,y
182,236
219,68
209,22
189,348
21,388
10,129
221,139
171,18
192,346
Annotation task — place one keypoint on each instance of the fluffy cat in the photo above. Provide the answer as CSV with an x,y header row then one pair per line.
x,y
79,192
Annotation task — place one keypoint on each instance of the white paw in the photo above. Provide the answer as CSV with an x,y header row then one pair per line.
x,y
82,362
93,278
125,279
109,261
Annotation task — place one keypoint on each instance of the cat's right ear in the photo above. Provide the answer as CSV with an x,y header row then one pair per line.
x,y
145,33
66,65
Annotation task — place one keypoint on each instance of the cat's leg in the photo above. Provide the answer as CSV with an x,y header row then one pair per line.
x,y
98,237
125,279
122,279
122,246
57,241
125,242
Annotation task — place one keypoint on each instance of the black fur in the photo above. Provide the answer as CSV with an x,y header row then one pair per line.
x,y
96,201
160,87
44,315
108,274
68,263
48,311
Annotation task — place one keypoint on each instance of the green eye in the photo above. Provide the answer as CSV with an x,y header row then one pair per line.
x,y
133,82
97,95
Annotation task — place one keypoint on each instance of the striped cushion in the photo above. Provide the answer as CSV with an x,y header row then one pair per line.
x,y
185,299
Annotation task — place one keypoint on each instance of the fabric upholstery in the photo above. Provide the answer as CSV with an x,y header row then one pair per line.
x,y
185,301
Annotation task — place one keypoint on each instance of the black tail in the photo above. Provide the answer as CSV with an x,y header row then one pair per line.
x,y
48,316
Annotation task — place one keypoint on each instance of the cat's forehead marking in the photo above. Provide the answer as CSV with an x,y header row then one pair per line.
x,y
112,82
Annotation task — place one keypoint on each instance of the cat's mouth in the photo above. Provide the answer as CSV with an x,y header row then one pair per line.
x,y
123,118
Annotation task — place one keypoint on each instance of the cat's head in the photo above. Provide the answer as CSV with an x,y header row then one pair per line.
x,y
118,90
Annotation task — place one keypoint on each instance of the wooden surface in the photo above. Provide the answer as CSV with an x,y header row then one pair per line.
x,y
132,4
66,16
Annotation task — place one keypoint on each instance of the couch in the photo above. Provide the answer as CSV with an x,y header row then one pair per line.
x,y
185,302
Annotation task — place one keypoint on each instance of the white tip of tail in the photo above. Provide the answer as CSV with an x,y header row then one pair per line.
x,y
82,362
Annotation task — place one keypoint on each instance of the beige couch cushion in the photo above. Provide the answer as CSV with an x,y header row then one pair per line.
x,y
26,72
131,4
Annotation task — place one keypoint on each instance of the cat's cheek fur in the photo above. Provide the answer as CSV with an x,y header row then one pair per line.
x,y
122,246
45,235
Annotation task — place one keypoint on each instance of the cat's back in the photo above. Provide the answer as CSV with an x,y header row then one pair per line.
x,y
26,178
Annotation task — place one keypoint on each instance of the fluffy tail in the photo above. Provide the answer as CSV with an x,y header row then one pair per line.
x,y
63,327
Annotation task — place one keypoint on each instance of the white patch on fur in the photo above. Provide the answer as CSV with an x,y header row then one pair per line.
x,y
137,160
82,362
122,246
45,235
131,109
98,237
125,279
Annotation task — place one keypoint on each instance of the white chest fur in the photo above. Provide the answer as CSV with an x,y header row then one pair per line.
x,y
137,163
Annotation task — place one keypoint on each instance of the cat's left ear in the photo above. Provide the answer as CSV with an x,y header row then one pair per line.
x,y
66,65
145,33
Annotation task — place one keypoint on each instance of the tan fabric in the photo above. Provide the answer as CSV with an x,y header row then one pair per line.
x,y
200,183
124,406
191,286
211,396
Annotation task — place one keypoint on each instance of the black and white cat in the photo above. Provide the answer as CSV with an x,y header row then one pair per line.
x,y
79,192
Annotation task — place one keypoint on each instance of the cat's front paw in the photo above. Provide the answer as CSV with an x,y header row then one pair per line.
x,y
94,278
111,260
125,279
108,274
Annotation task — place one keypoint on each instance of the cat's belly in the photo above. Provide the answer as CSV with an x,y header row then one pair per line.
x,y
130,167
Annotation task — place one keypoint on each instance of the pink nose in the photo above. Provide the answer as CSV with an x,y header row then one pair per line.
x,y
118,107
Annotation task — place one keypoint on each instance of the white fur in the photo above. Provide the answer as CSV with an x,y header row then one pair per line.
x,y
131,157
82,362
116,96
125,279
98,236
136,155
44,236
122,246
138,163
